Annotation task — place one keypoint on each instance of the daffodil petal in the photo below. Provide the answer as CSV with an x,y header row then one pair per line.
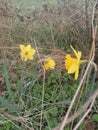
x,y
68,56
72,69
79,55
77,73
27,48
32,51
69,61
76,54
22,47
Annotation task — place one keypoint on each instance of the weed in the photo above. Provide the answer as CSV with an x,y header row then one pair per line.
x,y
31,97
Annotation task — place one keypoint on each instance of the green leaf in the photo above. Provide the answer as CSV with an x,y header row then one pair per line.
x,y
54,111
53,122
95,117
9,106
6,76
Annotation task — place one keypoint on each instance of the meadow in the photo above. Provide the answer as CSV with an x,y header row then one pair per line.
x,y
48,65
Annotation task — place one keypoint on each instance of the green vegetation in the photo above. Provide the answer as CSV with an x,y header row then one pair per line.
x,y
31,97
32,3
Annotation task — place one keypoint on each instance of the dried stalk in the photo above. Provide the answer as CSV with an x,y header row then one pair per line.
x,y
43,89
92,54
80,111
87,20
21,120
85,115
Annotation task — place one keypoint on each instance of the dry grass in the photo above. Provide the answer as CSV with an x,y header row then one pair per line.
x,y
53,28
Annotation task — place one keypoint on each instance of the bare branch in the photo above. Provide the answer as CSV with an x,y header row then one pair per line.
x,y
92,54
80,111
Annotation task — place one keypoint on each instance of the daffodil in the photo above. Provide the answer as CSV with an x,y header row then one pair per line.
x,y
49,64
72,64
27,52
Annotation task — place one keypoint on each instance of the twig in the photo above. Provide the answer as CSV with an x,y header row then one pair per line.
x,y
74,98
43,89
80,111
63,123
20,120
94,31
87,20
88,111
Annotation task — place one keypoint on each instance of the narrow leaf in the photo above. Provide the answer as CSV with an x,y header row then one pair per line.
x,y
8,106
6,76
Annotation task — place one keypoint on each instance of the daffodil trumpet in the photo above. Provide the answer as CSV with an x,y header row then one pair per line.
x,y
72,64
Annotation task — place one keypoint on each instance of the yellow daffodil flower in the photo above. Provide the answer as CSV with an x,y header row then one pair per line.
x,y
26,52
49,64
72,64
